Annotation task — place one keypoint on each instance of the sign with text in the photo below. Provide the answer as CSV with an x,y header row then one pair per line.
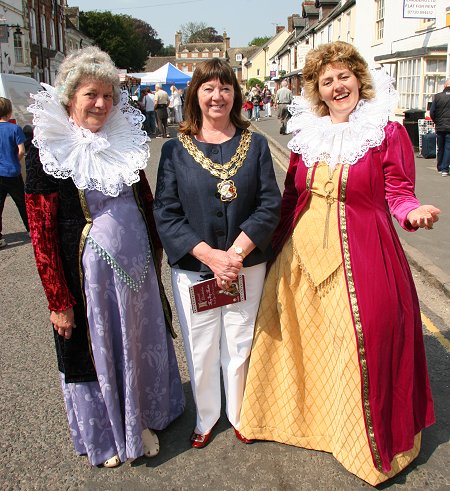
x,y
419,9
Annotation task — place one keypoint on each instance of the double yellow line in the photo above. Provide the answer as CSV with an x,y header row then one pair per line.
x,y
435,332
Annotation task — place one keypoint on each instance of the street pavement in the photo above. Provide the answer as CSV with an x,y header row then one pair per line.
x,y
36,452
427,250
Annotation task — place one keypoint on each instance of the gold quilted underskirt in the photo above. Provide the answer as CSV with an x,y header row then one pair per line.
x,y
303,386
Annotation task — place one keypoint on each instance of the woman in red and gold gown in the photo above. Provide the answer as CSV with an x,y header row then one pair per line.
x,y
338,361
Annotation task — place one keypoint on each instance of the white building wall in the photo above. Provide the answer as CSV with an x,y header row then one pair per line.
x,y
399,34
11,14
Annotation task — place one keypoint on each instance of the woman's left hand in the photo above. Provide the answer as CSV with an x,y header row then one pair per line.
x,y
424,216
63,322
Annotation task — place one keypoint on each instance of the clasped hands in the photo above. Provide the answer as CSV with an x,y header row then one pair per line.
x,y
424,216
225,265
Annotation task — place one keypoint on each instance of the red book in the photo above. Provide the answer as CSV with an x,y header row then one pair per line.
x,y
206,295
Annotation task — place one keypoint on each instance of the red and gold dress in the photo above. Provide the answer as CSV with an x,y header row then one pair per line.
x,y
338,360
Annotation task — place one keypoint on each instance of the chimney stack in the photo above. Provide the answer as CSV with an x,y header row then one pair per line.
x,y
177,41
226,42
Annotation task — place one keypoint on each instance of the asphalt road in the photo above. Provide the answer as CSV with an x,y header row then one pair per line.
x,y
36,451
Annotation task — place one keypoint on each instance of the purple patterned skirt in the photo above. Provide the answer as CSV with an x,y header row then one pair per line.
x,y
138,383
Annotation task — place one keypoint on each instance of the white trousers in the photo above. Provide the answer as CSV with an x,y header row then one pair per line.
x,y
214,339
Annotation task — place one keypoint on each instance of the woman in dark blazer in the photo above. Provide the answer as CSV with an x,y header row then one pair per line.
x,y
216,207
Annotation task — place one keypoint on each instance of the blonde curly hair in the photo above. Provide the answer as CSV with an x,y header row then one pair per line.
x,y
86,64
337,53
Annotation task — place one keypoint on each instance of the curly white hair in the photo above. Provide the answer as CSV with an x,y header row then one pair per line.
x,y
87,63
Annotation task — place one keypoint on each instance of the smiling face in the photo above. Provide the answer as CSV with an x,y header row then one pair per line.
x,y
215,100
91,104
339,89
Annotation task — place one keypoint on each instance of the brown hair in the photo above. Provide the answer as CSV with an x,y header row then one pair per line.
x,y
337,53
5,107
213,69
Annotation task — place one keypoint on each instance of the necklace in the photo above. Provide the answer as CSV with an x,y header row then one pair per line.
x,y
226,188
328,187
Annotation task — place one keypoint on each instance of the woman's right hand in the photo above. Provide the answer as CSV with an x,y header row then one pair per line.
x,y
224,267
63,322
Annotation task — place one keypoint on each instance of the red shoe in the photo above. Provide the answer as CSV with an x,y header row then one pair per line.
x,y
200,441
241,437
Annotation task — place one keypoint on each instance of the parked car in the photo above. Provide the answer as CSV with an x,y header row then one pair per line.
x,y
17,89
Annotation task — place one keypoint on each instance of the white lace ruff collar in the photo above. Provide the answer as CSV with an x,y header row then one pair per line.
x,y
106,160
318,139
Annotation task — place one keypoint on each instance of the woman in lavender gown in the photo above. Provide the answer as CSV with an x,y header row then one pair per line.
x,y
98,256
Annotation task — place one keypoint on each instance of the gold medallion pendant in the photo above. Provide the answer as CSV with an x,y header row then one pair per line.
x,y
227,190
226,187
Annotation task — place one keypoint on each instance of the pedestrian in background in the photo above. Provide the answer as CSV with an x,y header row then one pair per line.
x,y
99,258
338,361
216,206
176,103
148,105
267,101
248,106
440,114
12,150
256,101
161,108
283,99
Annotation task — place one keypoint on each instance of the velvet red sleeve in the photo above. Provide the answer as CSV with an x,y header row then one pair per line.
x,y
147,201
399,173
288,206
42,212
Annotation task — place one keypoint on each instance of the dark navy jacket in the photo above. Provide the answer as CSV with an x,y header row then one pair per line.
x,y
440,111
188,209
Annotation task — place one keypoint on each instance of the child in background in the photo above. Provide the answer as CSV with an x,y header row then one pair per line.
x,y
12,149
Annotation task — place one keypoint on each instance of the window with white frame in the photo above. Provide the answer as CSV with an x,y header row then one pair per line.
x,y
338,28
60,37
33,26
434,78
43,31
329,33
348,35
409,83
18,48
52,33
379,20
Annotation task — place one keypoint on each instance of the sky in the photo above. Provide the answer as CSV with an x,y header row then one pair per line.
x,y
243,20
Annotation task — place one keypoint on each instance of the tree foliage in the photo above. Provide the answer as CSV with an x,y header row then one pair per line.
x,y
199,32
189,29
127,40
252,82
166,51
259,41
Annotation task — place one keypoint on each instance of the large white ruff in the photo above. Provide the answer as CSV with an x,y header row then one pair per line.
x,y
105,160
318,139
